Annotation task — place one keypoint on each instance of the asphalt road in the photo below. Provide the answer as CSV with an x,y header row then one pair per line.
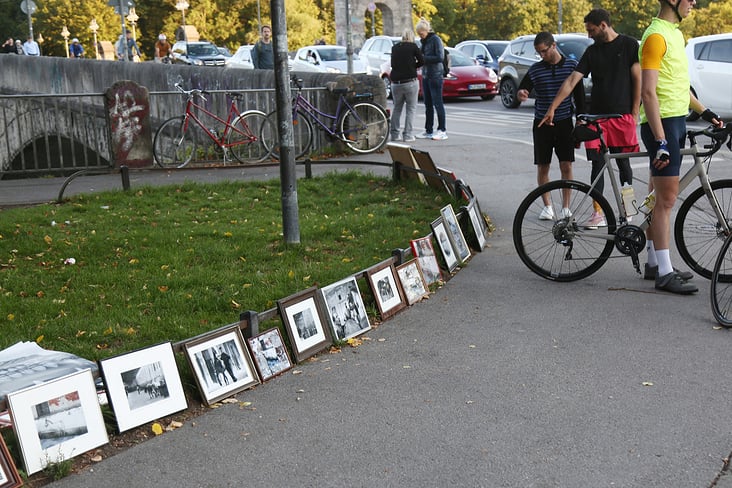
x,y
499,379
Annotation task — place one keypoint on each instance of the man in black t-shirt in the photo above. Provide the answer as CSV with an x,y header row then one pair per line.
x,y
613,62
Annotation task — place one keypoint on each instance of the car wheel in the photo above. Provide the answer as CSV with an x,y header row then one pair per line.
x,y
487,97
507,90
387,86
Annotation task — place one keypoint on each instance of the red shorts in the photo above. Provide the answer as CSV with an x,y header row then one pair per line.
x,y
619,133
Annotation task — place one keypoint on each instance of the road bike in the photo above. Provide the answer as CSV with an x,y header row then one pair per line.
x,y
187,137
565,248
359,123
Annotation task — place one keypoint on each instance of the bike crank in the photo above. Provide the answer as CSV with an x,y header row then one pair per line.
x,y
630,241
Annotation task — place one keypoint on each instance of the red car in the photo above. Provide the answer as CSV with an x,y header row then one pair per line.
x,y
466,78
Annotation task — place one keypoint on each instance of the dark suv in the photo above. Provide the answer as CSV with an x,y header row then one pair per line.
x,y
520,55
198,53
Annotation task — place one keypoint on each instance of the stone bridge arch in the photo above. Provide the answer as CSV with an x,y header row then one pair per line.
x,y
396,14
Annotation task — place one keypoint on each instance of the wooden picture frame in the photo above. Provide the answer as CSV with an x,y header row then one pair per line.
x,y
412,281
302,315
269,353
221,363
9,476
143,385
431,174
402,153
57,420
455,233
475,217
385,287
424,252
344,306
444,243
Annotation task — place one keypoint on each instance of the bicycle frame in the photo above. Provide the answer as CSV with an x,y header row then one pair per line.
x,y
219,140
316,115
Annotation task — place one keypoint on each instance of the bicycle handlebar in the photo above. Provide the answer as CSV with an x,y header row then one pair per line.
x,y
194,92
717,135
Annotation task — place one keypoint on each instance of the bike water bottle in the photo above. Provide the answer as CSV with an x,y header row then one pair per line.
x,y
648,203
628,199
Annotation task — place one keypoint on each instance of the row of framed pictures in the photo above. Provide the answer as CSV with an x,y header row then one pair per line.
x,y
61,418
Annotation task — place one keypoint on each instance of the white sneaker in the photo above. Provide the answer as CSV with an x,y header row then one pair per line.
x,y
440,135
409,139
547,213
424,135
597,219
565,213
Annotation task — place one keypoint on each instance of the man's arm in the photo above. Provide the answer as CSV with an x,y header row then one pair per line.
x,y
635,76
564,91
255,56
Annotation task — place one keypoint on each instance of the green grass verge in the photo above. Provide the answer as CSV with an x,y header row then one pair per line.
x,y
169,263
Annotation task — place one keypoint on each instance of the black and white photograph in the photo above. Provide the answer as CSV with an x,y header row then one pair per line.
x,y
57,420
303,318
346,312
443,242
425,254
454,233
477,223
387,292
221,363
143,385
9,476
412,281
270,354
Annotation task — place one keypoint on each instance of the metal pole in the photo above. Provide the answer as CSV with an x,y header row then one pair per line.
x,y
124,29
288,176
349,45
559,12
30,21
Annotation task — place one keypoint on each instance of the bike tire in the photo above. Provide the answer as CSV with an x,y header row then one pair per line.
x,y
302,135
246,143
172,146
721,287
697,232
364,127
543,245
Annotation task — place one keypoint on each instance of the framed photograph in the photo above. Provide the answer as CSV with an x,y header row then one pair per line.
x,y
303,318
477,223
221,363
9,477
270,353
410,276
143,385
387,292
454,233
425,254
57,420
346,313
443,241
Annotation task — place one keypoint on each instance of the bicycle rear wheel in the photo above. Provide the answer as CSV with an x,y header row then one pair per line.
x,y
699,235
302,135
246,142
562,249
364,127
721,289
173,147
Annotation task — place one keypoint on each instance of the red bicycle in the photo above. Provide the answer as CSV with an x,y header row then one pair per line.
x,y
186,138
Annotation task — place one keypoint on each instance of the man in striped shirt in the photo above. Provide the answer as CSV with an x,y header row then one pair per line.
x,y
546,78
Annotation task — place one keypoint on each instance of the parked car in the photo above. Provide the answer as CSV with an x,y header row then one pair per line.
x,y
242,58
325,59
467,78
485,52
710,71
376,51
520,55
198,53
224,50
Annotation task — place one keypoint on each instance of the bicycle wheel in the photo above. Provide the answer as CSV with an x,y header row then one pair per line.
x,y
563,249
364,128
302,135
721,289
173,147
698,234
246,142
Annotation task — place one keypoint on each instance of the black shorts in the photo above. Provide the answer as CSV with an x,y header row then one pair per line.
x,y
557,137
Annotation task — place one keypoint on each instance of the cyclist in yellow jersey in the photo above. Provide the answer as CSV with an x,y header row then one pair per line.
x,y
666,98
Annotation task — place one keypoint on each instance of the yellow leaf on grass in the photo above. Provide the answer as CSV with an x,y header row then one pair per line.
x,y
39,339
346,260
228,234
235,304
162,288
48,239
80,333
108,330
134,261
11,316
157,429
291,274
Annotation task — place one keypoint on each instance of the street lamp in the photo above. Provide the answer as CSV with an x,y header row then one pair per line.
x,y
182,5
94,28
65,33
132,17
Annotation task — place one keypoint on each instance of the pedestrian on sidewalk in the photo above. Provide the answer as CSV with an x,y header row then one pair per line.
x,y
406,57
432,80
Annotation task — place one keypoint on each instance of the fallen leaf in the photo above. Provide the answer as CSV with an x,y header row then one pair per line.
x,y
96,459
39,339
174,424
48,239
157,429
297,371
647,383
229,400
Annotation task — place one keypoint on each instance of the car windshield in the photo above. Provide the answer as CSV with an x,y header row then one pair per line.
x,y
332,53
202,49
496,49
457,58
573,49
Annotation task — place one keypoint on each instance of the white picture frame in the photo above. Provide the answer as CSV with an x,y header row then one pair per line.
x,y
57,420
455,233
443,242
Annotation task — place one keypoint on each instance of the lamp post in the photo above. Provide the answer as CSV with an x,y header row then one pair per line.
x,y
94,27
65,34
132,17
182,5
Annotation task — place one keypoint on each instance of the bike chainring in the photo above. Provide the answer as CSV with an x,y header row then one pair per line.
x,y
630,239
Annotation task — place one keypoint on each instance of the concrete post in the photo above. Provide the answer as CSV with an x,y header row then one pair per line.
x,y
127,108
